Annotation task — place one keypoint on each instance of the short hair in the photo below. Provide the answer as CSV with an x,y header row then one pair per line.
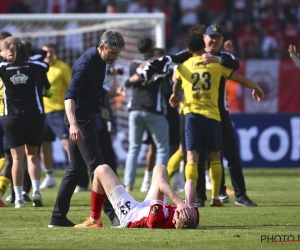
x,y
159,51
15,45
112,39
4,34
50,45
198,28
145,44
182,223
28,46
195,41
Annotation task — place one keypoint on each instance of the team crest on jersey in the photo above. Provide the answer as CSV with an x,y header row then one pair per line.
x,y
19,78
154,210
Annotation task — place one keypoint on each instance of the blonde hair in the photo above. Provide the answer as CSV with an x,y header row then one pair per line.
x,y
182,223
18,49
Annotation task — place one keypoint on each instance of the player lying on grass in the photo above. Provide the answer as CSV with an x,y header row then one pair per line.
x,y
152,212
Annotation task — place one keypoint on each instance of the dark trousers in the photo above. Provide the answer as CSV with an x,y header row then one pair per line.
x,y
231,153
86,153
200,187
108,152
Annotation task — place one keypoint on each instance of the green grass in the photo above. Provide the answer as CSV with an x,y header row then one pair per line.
x,y
232,227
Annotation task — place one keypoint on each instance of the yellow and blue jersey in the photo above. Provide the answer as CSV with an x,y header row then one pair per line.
x,y
201,84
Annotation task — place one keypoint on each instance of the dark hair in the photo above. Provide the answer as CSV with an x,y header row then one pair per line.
x,y
49,45
15,45
190,223
28,46
195,41
159,51
198,28
4,34
144,44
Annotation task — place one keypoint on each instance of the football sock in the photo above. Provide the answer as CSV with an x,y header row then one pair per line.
x,y
174,163
35,185
191,172
4,183
2,161
97,201
18,193
215,173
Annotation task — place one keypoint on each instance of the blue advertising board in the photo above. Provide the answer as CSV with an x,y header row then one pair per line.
x,y
268,140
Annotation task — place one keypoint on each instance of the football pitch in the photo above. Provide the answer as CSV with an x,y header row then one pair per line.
x,y
277,218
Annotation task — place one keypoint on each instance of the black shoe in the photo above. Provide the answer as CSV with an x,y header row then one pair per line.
x,y
60,223
245,201
223,197
200,202
115,223
26,197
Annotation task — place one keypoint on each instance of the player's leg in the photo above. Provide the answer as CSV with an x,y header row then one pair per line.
x,y
193,145
213,140
34,170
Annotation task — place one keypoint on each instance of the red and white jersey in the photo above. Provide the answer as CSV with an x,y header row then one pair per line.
x,y
154,215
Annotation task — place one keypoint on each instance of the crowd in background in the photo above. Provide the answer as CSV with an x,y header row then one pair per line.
x,y
258,28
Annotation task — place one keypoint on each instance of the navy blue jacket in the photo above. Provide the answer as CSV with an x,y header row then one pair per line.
x,y
88,73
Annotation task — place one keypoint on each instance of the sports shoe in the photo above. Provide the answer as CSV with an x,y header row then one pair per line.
x,y
19,204
2,203
26,197
200,202
49,182
216,203
115,223
244,201
60,223
145,186
37,199
10,199
223,197
79,189
89,224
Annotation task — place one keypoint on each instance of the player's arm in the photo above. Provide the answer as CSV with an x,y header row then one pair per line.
x,y
175,97
257,91
163,188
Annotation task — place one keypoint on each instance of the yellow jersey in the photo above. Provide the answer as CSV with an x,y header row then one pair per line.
x,y
59,76
1,98
200,83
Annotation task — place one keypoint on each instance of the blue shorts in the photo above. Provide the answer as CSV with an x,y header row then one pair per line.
x,y
202,133
55,127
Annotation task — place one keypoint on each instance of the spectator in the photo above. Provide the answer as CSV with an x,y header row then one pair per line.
x,y
147,111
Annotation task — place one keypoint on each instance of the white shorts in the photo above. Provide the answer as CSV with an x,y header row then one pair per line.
x,y
125,206
122,203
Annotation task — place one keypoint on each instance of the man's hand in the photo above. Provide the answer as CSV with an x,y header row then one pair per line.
x,y
185,212
292,50
210,58
257,93
228,47
75,133
174,100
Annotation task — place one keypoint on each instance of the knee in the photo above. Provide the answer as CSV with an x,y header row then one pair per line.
x,y
101,169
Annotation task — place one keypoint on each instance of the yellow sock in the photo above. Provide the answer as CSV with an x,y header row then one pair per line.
x,y
4,182
191,172
174,164
215,173
2,161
